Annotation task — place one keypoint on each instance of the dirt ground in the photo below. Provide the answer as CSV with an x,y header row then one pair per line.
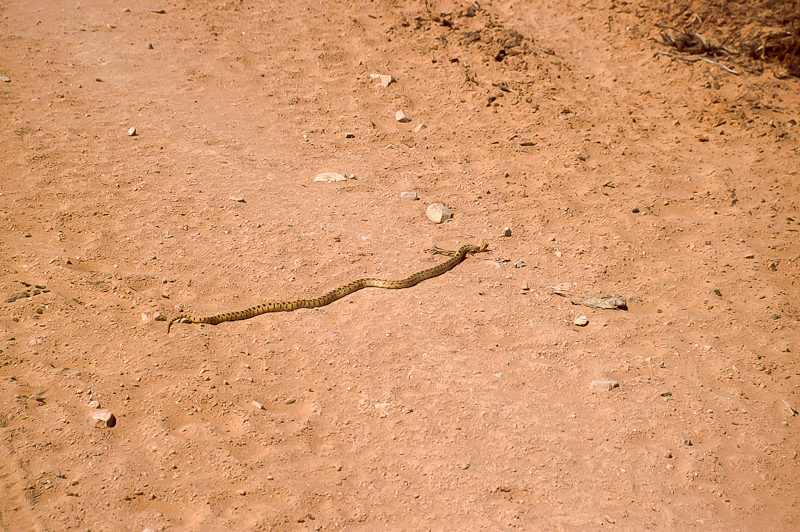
x,y
463,403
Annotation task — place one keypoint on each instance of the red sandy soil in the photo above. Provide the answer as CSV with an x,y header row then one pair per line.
x,y
463,403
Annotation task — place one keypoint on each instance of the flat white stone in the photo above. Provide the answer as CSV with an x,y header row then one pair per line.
x,y
401,116
603,385
329,177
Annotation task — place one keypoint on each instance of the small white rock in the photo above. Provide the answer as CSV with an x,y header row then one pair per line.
x,y
258,405
329,177
401,116
386,79
106,417
419,128
411,195
132,132
506,231
581,321
438,213
5,79
237,198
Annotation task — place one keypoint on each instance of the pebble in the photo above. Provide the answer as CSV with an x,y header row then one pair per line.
x,y
438,213
258,405
525,287
237,198
5,79
106,417
603,385
132,132
411,196
519,264
401,116
581,321
289,401
419,128
386,79
150,46
506,231
329,177
349,135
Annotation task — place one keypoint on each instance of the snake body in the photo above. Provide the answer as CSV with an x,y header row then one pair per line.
x,y
333,295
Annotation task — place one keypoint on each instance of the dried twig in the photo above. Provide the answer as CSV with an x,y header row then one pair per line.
x,y
692,60
689,42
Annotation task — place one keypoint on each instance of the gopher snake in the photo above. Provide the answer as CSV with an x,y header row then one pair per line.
x,y
333,295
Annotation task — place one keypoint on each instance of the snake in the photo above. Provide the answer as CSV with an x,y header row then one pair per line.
x,y
338,293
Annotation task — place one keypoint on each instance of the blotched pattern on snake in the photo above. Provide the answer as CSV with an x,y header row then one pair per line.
x,y
342,291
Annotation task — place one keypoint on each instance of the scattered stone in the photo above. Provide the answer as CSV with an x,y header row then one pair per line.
x,y
349,135
241,492
149,46
749,256
237,198
132,132
409,142
410,195
438,213
419,128
635,210
258,405
401,116
702,138
525,287
106,417
289,401
386,79
506,231
5,79
603,385
519,264
581,321
329,177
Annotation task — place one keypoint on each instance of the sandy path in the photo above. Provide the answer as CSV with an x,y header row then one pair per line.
x,y
461,403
